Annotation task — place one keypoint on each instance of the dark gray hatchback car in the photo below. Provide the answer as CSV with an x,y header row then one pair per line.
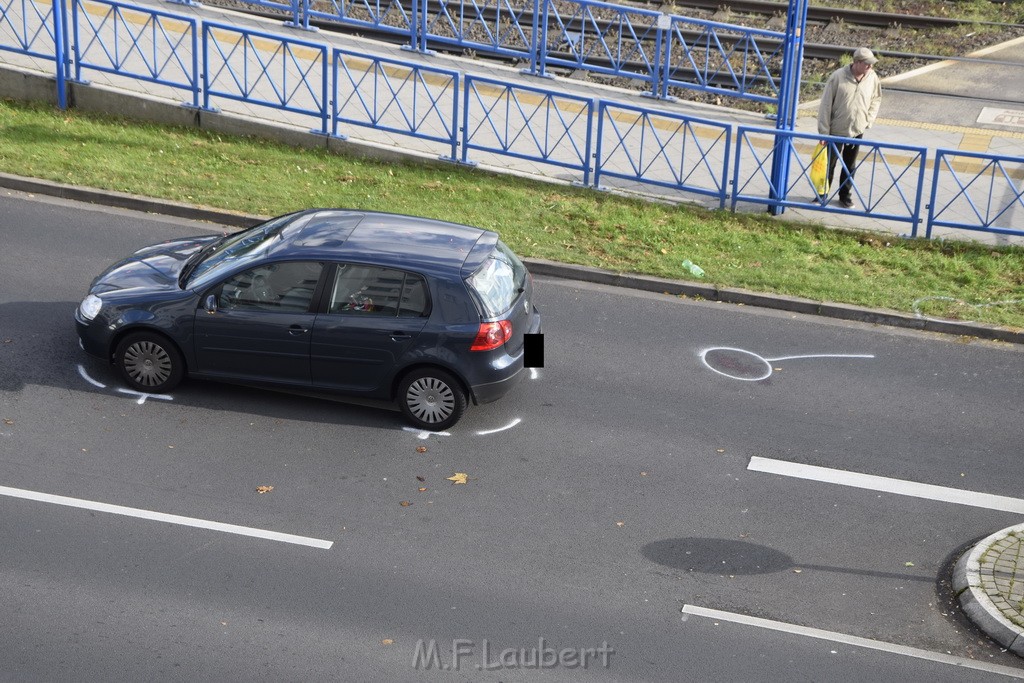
x,y
426,313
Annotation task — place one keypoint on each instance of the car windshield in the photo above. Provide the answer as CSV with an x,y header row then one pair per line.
x,y
498,281
240,248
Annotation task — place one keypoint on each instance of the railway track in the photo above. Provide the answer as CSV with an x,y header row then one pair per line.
x,y
822,15
815,53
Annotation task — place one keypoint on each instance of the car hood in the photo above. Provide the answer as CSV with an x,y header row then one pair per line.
x,y
156,266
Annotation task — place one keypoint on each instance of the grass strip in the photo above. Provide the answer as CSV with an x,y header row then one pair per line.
x,y
955,280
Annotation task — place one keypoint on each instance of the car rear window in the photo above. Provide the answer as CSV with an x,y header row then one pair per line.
x,y
498,281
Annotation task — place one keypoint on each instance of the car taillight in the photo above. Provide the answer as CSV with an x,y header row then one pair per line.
x,y
492,335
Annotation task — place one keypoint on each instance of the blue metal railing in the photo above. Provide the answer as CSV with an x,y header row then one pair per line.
x,y
398,97
388,16
135,42
889,178
988,195
266,70
527,123
673,151
499,27
724,59
601,37
634,144
30,25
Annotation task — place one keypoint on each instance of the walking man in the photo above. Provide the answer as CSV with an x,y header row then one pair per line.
x,y
848,107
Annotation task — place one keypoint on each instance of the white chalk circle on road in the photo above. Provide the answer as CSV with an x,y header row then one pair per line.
x,y
748,366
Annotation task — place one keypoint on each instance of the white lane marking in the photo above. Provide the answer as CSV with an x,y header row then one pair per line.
x,y
163,517
510,425
90,380
420,434
534,374
143,397
876,483
851,640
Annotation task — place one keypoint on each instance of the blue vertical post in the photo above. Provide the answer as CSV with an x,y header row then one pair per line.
x,y
60,52
789,98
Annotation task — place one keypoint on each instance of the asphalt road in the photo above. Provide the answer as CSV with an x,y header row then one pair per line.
x,y
603,496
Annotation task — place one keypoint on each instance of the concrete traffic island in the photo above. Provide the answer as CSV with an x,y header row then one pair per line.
x,y
989,581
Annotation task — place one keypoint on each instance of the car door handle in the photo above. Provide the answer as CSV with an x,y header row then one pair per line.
x,y
296,330
400,336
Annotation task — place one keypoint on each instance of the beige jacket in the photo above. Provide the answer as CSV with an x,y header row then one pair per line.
x,y
848,108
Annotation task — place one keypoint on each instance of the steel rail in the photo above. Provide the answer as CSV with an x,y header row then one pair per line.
x,y
825,14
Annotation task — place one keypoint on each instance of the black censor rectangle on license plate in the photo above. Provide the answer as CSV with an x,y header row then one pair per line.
x,y
533,350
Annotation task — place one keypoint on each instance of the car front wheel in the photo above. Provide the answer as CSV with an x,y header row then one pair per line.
x,y
149,362
431,399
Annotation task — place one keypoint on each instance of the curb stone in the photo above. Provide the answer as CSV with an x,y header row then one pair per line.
x,y
969,583
552,268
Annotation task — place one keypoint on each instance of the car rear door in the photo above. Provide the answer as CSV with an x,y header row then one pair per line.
x,y
372,317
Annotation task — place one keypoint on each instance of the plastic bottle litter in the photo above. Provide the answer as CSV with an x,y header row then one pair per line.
x,y
692,268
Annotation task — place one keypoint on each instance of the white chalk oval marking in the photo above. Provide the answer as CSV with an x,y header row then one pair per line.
x,y
740,364
90,380
510,425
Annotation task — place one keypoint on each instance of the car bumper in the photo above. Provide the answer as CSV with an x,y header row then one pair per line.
x,y
492,391
92,343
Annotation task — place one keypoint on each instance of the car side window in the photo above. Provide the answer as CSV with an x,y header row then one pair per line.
x,y
360,290
286,286
414,297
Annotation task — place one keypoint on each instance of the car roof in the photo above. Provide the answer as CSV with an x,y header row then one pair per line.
x,y
385,238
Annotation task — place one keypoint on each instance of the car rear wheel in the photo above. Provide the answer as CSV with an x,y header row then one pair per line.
x,y
431,399
149,362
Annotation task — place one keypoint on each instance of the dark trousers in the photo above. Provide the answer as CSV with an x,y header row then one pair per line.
x,y
849,154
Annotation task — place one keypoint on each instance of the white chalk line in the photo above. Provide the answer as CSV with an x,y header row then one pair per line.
x,y
422,434
163,517
873,482
856,641
90,380
918,314
143,396
822,355
510,425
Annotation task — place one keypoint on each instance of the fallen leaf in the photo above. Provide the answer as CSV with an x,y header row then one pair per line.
x,y
8,422
643,474
720,450
620,524
419,478
264,489
422,489
459,478
386,641
405,503
908,564
421,449
797,571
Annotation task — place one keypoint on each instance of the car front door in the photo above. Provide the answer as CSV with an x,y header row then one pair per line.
x,y
372,318
256,324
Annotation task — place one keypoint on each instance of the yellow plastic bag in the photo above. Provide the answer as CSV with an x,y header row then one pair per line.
x,y
819,170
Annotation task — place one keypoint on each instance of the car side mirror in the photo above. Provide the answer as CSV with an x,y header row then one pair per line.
x,y
210,304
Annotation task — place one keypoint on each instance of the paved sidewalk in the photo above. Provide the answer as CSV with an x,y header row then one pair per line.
x,y
990,582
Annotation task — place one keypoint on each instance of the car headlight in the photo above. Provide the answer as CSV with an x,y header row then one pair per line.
x,y
90,306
